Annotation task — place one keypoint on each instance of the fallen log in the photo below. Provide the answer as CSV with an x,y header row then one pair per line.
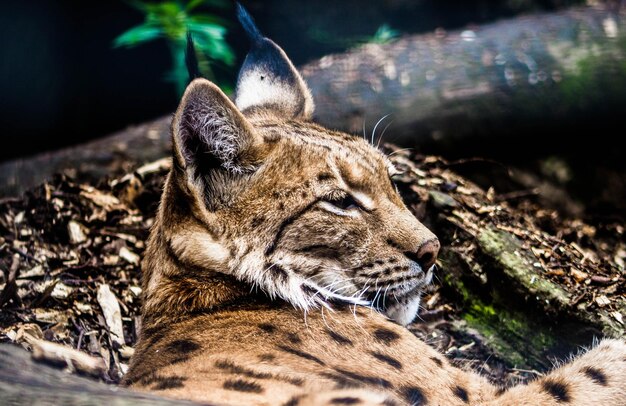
x,y
25,382
490,80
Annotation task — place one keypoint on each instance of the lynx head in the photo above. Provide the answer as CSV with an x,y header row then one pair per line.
x,y
261,194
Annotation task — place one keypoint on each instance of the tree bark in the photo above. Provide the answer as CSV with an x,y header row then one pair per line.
x,y
25,382
486,80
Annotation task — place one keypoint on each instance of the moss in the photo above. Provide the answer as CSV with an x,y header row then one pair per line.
x,y
512,335
517,264
597,76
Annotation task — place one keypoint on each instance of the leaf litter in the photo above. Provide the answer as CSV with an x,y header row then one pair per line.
x,y
71,278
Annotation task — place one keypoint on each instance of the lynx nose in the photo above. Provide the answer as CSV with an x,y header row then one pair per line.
x,y
426,254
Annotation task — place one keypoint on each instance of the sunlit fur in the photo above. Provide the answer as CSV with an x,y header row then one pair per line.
x,y
272,235
270,221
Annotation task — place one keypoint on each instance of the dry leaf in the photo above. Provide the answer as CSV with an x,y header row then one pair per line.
x,y
112,313
76,232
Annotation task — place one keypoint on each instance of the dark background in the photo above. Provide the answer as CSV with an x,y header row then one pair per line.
x,y
62,83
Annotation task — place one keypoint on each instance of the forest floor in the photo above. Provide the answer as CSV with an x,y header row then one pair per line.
x,y
70,255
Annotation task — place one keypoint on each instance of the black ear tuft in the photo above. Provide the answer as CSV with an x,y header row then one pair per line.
x,y
191,59
246,21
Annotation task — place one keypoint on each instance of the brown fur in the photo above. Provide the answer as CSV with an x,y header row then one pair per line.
x,y
269,226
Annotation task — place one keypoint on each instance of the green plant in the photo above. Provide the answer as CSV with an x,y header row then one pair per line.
x,y
383,35
172,20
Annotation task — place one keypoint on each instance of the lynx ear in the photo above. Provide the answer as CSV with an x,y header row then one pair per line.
x,y
209,132
268,79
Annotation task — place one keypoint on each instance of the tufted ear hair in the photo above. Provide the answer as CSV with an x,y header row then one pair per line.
x,y
268,79
210,133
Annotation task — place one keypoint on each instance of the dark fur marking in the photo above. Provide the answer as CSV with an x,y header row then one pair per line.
x,y
389,402
267,357
301,354
293,338
232,368
386,336
159,382
169,382
379,262
153,335
437,361
339,338
179,351
595,375
501,390
368,380
146,379
279,272
272,246
345,401
341,382
392,243
242,386
268,328
294,401
257,221
557,390
324,176
239,370
182,346
461,393
387,359
308,290
414,396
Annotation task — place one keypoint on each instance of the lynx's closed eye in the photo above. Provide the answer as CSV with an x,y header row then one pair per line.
x,y
340,202
345,203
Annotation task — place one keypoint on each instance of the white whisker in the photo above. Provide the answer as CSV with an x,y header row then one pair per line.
x,y
380,139
376,126
364,134
398,151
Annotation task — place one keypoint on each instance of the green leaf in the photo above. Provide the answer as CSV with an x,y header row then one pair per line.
x,y
137,35
208,19
385,34
216,49
193,4
215,3
210,30
171,20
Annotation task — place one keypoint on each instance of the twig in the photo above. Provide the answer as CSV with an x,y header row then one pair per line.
x,y
517,195
10,289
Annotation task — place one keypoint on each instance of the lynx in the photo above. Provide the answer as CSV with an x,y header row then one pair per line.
x,y
273,237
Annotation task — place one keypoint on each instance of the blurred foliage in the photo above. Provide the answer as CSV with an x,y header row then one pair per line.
x,y
383,35
171,20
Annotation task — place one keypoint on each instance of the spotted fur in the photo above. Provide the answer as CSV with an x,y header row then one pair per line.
x,y
272,238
